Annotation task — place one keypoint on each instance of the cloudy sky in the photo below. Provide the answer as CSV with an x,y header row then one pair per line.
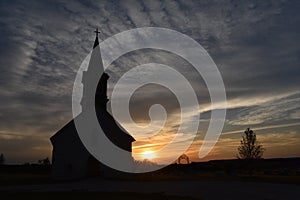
x,y
255,45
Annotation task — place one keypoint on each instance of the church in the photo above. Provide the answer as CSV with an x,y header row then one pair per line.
x,y
70,158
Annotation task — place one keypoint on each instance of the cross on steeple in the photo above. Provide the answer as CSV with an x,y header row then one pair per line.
x,y
96,43
97,32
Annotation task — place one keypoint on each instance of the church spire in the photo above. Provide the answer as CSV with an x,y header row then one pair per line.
x,y
96,43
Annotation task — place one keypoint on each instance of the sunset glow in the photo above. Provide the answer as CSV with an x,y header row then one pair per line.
x,y
149,155
255,46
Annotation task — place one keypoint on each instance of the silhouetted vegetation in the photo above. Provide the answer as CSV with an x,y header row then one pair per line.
x,y
44,161
250,148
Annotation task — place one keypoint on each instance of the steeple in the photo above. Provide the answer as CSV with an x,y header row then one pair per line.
x,y
96,43
94,69
101,93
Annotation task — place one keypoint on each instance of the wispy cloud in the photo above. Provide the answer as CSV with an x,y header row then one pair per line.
x,y
254,44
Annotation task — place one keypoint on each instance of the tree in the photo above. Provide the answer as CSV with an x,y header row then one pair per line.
x,y
2,159
250,148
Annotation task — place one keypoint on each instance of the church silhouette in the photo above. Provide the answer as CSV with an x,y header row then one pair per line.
x,y
70,159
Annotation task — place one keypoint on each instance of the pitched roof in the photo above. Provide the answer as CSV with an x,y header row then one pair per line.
x,y
112,129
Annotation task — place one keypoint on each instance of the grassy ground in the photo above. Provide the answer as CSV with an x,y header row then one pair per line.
x,y
211,177
8,179
90,195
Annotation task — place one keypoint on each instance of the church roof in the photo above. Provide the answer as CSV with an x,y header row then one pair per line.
x,y
113,130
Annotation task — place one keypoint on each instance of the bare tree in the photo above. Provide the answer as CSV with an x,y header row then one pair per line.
x,y
250,148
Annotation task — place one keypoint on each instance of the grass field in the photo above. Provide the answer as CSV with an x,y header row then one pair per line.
x,y
264,170
8,179
144,187
90,195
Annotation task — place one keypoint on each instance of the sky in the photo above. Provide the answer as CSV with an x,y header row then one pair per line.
x,y
255,45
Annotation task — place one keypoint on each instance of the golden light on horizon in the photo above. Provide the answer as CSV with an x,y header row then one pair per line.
x,y
148,155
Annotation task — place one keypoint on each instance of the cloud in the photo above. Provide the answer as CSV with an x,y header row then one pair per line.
x,y
254,44
262,128
271,111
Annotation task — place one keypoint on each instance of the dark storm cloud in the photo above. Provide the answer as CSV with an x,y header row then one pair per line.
x,y
255,44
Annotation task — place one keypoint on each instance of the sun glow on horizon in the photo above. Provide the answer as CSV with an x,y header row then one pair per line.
x,y
148,155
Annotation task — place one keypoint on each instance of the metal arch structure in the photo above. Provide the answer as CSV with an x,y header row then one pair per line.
x,y
183,157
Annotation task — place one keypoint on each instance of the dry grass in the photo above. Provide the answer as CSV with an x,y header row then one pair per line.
x,y
91,195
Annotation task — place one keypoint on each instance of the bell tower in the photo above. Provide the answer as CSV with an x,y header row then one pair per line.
x,y
101,90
